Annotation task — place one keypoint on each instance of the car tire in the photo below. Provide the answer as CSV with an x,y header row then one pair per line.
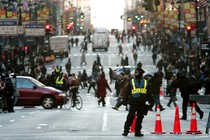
x,y
48,102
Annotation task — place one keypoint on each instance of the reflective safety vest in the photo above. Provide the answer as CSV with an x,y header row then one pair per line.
x,y
138,89
57,69
59,82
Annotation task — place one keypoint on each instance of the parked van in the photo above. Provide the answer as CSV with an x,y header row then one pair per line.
x,y
100,39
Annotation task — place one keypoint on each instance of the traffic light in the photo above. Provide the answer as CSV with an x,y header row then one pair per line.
x,y
129,19
133,28
68,28
25,49
47,29
188,28
141,22
82,15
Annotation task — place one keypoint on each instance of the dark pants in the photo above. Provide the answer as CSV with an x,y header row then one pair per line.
x,y
185,104
134,110
92,85
102,99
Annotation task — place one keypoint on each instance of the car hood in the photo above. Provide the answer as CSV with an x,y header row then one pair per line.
x,y
53,89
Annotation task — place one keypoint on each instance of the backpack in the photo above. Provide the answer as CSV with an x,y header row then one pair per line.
x,y
194,84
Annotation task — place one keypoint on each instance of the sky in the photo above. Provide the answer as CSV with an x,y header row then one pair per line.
x,y
106,13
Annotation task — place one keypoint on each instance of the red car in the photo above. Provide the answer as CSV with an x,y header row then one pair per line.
x,y
34,93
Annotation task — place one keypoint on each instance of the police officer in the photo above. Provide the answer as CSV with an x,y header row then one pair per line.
x,y
60,82
137,95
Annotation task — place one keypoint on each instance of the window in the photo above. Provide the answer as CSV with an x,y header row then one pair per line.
x,y
24,83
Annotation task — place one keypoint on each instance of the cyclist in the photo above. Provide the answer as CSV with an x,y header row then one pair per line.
x,y
74,86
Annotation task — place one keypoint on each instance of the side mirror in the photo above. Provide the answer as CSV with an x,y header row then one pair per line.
x,y
34,87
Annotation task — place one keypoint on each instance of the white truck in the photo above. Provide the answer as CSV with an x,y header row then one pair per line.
x,y
100,39
59,44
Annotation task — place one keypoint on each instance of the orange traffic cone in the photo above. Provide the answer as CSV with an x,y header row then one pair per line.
x,y
177,128
132,128
158,123
193,123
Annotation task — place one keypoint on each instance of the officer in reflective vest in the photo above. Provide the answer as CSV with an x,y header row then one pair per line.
x,y
60,82
137,97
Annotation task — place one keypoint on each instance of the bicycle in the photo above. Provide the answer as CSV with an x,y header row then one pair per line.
x,y
68,101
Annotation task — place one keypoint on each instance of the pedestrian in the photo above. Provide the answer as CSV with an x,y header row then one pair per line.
x,y
135,57
155,83
8,93
76,41
60,82
72,42
83,58
137,96
154,57
3,97
84,78
15,90
98,60
171,91
92,82
183,83
126,60
73,84
68,67
102,85
111,76
121,98
120,49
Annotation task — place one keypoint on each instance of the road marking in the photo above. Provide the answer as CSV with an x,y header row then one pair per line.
x,y
104,124
11,120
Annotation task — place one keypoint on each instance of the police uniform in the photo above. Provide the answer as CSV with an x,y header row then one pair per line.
x,y
137,95
59,83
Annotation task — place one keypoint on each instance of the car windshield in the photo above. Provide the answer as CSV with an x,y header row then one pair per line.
x,y
37,82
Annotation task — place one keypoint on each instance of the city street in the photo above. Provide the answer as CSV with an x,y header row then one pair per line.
x,y
95,122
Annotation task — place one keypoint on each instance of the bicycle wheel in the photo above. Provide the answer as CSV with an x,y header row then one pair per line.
x,y
68,101
79,102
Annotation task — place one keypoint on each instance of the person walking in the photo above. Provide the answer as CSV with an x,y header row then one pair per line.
x,y
102,85
92,82
155,83
111,76
137,96
121,98
68,66
171,92
183,83
135,57
120,49
15,90
83,58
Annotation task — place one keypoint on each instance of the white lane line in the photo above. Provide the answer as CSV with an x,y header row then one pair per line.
x,y
11,121
104,124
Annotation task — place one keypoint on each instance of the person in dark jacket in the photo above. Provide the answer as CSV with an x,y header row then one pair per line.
x,y
155,83
183,83
137,95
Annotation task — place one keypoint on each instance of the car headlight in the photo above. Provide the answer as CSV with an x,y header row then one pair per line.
x,y
62,94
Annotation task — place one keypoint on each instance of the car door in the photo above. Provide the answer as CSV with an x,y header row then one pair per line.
x,y
28,94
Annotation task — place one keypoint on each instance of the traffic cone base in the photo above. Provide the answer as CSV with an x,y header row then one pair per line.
x,y
193,132
158,132
176,132
193,123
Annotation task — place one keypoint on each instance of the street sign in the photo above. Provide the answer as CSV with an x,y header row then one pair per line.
x,y
35,29
8,27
